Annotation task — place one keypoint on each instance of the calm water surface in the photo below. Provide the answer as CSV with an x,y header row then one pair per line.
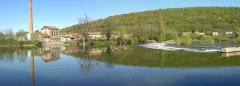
x,y
116,66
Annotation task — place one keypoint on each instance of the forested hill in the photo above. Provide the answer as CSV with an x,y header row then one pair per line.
x,y
174,20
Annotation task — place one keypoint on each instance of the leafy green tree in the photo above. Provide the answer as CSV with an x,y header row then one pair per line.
x,y
162,25
186,40
21,35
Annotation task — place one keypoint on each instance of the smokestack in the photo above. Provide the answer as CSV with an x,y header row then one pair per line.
x,y
30,18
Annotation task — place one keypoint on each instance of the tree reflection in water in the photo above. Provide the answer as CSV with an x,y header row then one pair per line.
x,y
86,65
89,57
139,56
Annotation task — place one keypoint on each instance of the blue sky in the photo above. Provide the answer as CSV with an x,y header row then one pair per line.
x,y
63,13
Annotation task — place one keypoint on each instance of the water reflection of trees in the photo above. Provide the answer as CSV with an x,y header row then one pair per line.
x,y
88,56
123,55
138,56
86,65
11,54
86,61
21,54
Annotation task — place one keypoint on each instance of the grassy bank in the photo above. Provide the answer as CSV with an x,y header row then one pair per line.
x,y
21,44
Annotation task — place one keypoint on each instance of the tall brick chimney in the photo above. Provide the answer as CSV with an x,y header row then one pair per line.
x,y
30,18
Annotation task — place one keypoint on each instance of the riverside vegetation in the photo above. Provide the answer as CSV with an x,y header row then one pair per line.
x,y
159,25
170,24
19,39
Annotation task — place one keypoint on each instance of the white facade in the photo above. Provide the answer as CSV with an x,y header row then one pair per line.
x,y
64,39
229,33
215,33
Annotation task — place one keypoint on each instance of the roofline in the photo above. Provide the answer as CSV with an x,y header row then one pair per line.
x,y
46,26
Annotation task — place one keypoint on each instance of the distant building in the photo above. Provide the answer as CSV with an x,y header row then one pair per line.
x,y
115,35
186,33
42,37
228,33
48,33
51,31
214,33
68,37
199,33
127,36
95,35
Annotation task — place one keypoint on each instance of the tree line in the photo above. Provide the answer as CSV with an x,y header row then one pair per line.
x,y
9,38
167,24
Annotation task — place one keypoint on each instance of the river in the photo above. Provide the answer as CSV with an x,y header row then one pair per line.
x,y
116,66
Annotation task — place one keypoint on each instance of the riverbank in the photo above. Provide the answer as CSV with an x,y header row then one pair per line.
x,y
14,46
26,44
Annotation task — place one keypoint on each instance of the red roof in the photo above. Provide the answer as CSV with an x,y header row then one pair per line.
x,y
51,27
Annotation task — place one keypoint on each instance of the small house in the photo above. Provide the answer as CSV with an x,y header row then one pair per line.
x,y
127,36
65,38
214,33
95,35
228,33
42,37
199,33
115,35
186,33
68,37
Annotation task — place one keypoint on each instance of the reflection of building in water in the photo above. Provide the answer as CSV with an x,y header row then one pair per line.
x,y
115,49
230,54
51,54
96,51
70,50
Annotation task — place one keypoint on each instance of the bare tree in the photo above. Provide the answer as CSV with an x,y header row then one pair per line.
x,y
86,65
85,26
21,35
84,20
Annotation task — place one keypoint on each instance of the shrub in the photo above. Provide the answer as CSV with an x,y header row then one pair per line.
x,y
205,39
186,40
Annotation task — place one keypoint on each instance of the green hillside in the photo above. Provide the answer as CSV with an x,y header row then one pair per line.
x,y
168,22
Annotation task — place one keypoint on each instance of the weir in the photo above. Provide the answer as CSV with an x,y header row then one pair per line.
x,y
163,46
230,49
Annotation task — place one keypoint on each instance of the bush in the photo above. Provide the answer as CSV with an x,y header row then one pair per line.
x,y
238,41
221,38
205,39
71,43
186,40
